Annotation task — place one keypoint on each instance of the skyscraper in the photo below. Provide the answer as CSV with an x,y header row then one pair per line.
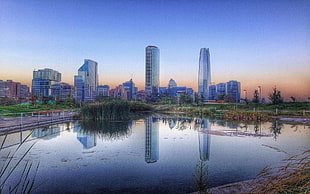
x,y
88,74
129,90
233,91
42,81
152,70
204,73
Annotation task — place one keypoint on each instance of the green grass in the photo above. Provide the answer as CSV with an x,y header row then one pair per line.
x,y
290,108
29,108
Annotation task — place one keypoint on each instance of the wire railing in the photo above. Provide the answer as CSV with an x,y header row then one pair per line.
x,y
26,120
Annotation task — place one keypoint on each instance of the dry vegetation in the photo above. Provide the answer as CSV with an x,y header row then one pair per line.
x,y
291,177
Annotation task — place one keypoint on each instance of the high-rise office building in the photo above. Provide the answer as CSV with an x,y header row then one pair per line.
x,y
152,70
47,74
62,91
129,90
220,91
204,73
212,92
233,91
103,90
87,80
42,81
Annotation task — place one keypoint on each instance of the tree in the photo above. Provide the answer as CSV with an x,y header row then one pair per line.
x,y
33,100
255,97
221,96
276,97
185,99
293,98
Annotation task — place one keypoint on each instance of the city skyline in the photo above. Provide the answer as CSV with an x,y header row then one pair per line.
x,y
257,43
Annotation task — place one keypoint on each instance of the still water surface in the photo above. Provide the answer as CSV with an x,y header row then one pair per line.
x,y
153,155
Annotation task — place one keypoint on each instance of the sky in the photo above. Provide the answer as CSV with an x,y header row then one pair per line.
x,y
259,42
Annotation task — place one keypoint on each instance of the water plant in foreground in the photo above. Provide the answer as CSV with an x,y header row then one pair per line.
x,y
291,177
200,177
27,171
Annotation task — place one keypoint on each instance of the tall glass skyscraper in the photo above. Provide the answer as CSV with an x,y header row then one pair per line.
x,y
88,73
204,73
152,70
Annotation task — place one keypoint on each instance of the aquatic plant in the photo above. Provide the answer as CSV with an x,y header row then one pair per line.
x,y
25,183
111,110
108,130
200,177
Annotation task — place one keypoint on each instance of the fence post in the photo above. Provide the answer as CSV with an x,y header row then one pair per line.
x,y
21,120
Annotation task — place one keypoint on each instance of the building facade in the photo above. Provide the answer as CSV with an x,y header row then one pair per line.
x,y
41,87
152,70
204,73
172,83
129,92
103,90
233,91
62,91
212,92
88,74
220,91
13,89
42,82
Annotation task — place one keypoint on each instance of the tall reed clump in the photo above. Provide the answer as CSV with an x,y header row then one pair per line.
x,y
111,110
292,177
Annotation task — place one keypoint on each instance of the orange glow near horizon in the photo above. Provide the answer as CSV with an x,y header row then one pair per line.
x,y
296,84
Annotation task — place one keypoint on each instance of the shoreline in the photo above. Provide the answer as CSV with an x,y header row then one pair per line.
x,y
238,187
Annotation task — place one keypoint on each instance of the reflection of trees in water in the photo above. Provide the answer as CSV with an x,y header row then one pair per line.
x,y
177,123
276,129
107,130
257,127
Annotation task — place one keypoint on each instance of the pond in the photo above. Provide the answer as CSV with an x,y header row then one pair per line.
x,y
152,155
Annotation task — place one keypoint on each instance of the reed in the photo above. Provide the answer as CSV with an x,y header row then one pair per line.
x,y
200,177
291,177
26,181
111,110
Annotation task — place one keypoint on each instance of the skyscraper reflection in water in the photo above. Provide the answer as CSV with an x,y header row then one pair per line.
x,y
151,140
87,139
204,140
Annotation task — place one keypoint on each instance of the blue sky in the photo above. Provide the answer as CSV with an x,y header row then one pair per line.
x,y
255,42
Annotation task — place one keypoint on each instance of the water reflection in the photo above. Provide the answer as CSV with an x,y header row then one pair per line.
x,y
276,129
86,138
204,139
151,140
105,129
47,132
